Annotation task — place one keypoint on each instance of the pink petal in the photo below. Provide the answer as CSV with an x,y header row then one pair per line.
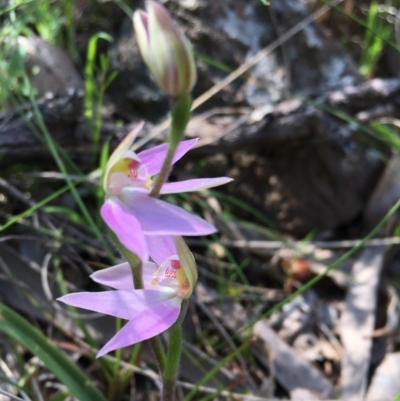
x,y
161,247
147,324
120,276
161,218
193,185
153,158
125,226
122,304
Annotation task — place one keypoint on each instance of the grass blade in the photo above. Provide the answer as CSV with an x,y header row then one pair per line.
x,y
216,368
56,361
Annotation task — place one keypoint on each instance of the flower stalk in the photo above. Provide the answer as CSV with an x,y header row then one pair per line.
x,y
172,363
165,169
180,116
170,372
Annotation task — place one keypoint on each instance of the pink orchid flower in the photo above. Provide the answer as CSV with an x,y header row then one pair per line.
x,y
131,213
152,310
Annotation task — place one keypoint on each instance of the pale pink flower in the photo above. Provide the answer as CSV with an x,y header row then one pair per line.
x,y
149,311
131,213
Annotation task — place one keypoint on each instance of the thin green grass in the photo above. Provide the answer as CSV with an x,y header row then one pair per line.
x,y
106,366
245,206
20,90
337,263
53,21
375,130
195,360
70,214
61,396
124,7
60,164
213,371
97,80
362,23
28,212
31,338
58,156
374,44
126,376
22,389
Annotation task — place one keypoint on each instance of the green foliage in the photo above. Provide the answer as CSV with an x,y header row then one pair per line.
x,y
104,364
28,212
11,80
373,42
212,372
61,396
51,20
394,209
361,22
62,167
97,80
386,135
56,361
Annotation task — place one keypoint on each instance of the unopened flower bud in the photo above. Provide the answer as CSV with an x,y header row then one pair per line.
x,y
165,49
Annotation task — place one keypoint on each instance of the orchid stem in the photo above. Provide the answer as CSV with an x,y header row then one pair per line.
x,y
162,177
137,273
158,350
180,116
172,365
173,357
169,365
168,390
